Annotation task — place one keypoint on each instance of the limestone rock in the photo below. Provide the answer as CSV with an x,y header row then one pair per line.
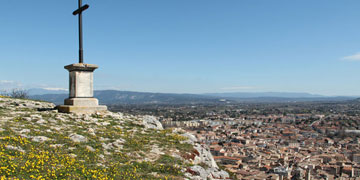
x,y
107,146
150,122
36,116
219,174
89,148
14,148
56,145
118,143
197,171
203,156
41,121
191,139
40,139
91,131
156,150
78,138
24,131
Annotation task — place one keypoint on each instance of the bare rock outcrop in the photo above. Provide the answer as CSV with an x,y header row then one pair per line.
x,y
150,122
203,156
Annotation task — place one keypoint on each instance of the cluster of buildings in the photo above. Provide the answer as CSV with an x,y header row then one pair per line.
x,y
302,146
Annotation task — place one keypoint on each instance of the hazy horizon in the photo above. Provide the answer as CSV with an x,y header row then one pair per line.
x,y
37,91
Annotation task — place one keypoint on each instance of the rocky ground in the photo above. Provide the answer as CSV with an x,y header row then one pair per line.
x,y
37,142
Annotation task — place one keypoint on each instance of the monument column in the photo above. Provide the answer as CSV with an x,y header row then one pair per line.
x,y
81,80
81,96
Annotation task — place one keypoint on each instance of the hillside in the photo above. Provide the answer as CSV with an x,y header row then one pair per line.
x,y
37,142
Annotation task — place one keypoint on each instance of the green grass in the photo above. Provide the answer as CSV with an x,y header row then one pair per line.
x,y
73,160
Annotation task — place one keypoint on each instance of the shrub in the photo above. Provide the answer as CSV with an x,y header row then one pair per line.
x,y
19,93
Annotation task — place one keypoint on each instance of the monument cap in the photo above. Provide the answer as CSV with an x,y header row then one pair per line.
x,y
81,67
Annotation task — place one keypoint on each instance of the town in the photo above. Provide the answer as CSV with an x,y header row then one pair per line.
x,y
274,141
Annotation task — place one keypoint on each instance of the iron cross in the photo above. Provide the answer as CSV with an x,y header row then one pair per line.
x,y
79,12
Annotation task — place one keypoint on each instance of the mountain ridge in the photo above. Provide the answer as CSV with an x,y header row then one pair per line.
x,y
113,97
265,94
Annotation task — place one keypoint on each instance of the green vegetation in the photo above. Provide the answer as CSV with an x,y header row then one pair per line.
x,y
39,145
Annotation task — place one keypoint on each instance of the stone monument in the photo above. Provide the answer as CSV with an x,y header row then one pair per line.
x,y
81,96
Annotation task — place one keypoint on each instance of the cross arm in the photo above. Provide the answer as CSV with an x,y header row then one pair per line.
x,y
81,9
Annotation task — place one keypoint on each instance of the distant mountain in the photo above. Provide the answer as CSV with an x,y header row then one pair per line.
x,y
269,97
289,100
264,94
54,98
42,91
113,97
128,97
355,100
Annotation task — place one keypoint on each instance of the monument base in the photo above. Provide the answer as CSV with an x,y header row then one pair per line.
x,y
81,106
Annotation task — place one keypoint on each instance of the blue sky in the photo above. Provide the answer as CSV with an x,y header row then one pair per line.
x,y
186,46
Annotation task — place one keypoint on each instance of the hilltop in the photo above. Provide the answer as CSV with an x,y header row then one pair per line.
x,y
37,142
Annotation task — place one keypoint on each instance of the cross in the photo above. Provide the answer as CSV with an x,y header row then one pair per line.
x,y
76,12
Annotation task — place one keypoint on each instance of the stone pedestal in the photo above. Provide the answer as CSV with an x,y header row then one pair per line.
x,y
81,94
